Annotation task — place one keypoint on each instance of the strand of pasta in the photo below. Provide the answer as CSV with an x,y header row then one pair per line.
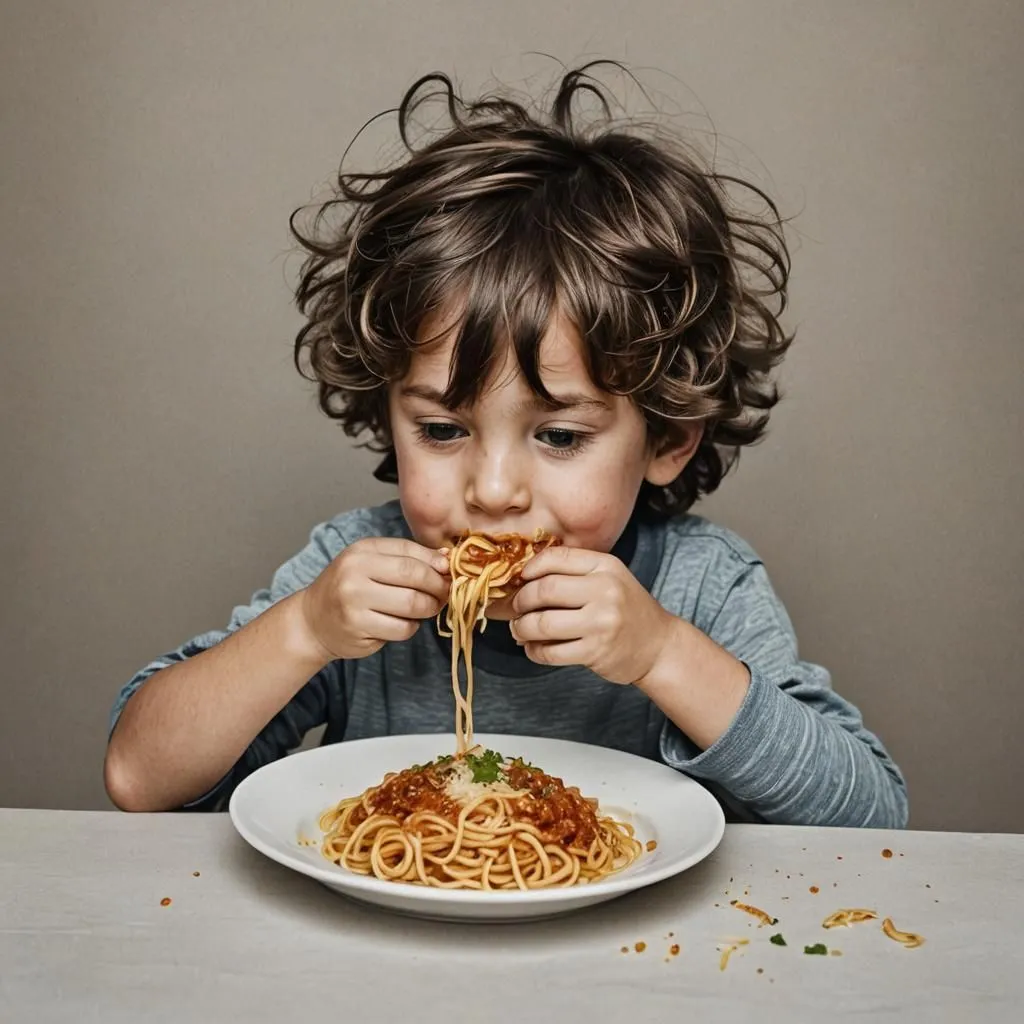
x,y
486,849
473,587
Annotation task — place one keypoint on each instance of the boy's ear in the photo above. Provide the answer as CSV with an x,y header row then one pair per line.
x,y
671,457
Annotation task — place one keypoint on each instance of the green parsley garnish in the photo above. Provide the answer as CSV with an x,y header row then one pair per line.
x,y
437,763
818,949
777,939
486,767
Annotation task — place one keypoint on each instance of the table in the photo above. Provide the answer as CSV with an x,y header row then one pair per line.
x,y
111,917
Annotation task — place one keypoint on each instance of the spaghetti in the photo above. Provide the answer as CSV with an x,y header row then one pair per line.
x,y
483,569
477,820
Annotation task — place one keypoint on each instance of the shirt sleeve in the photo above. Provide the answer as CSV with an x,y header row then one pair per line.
x,y
320,699
796,752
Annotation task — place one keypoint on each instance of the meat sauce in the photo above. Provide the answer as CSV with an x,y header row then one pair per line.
x,y
562,814
513,549
415,789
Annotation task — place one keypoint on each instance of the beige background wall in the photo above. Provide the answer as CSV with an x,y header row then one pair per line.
x,y
160,457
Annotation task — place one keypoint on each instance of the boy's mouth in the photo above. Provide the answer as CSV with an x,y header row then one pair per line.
x,y
501,557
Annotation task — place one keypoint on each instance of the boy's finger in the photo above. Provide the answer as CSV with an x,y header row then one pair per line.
x,y
390,628
552,592
548,625
568,561
570,652
403,603
402,547
405,571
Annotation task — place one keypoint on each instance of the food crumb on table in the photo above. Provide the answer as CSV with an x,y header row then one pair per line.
x,y
166,901
909,940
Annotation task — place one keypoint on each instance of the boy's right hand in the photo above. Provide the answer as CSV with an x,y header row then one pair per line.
x,y
375,591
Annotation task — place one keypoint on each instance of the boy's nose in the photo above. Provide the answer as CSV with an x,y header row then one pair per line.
x,y
498,484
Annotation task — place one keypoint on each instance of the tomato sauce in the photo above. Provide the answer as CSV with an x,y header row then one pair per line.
x,y
513,549
562,815
415,789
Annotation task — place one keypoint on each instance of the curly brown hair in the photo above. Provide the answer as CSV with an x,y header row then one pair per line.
x,y
675,290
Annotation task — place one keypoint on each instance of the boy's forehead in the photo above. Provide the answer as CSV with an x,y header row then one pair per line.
x,y
560,355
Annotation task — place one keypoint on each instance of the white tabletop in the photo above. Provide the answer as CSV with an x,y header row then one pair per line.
x,y
84,935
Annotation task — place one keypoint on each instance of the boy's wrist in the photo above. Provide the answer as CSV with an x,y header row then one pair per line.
x,y
698,684
671,668
300,640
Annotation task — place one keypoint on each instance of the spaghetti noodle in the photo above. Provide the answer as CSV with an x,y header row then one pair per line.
x,y
477,820
483,569
442,825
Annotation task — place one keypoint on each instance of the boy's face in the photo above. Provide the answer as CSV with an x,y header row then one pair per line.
x,y
510,464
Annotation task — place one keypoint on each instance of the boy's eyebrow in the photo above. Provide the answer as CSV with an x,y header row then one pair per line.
x,y
571,400
425,392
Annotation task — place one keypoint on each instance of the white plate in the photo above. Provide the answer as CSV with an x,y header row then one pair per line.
x,y
276,809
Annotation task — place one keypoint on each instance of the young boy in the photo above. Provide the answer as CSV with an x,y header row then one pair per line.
x,y
542,325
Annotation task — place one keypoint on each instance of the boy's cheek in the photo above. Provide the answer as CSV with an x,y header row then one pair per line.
x,y
595,524
426,509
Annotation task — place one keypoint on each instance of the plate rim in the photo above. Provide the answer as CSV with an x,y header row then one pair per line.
x,y
611,886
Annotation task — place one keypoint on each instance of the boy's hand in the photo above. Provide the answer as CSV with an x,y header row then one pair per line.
x,y
377,590
584,608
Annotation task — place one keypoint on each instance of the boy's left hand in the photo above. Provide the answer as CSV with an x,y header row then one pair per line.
x,y
580,607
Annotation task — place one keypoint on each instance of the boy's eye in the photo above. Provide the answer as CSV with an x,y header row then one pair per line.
x,y
441,432
556,438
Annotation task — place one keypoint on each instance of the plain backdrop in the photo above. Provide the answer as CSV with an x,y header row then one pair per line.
x,y
160,456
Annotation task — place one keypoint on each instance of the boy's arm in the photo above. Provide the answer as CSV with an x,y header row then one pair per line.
x,y
182,723
183,731
794,752
257,689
